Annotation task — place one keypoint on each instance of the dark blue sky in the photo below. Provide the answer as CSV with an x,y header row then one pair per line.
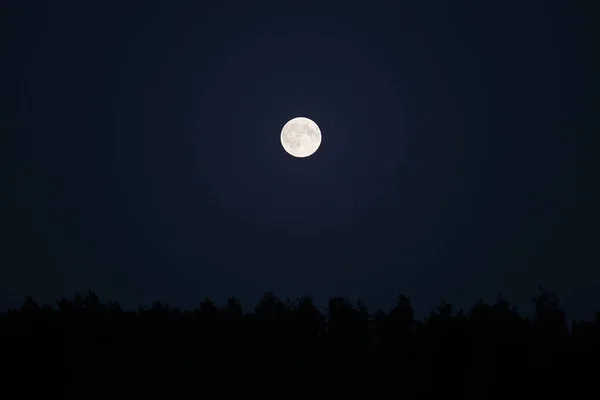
x,y
144,159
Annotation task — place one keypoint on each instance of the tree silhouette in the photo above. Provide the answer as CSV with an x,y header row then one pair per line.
x,y
233,310
490,349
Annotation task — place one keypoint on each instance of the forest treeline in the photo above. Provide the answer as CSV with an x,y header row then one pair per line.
x,y
490,347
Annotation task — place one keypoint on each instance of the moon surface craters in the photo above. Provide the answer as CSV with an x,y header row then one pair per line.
x,y
300,137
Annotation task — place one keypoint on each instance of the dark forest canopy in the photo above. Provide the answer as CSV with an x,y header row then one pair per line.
x,y
270,307
292,341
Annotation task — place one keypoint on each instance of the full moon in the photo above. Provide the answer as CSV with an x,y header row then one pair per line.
x,y
300,137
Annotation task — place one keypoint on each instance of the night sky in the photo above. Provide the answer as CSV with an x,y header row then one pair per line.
x,y
143,157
